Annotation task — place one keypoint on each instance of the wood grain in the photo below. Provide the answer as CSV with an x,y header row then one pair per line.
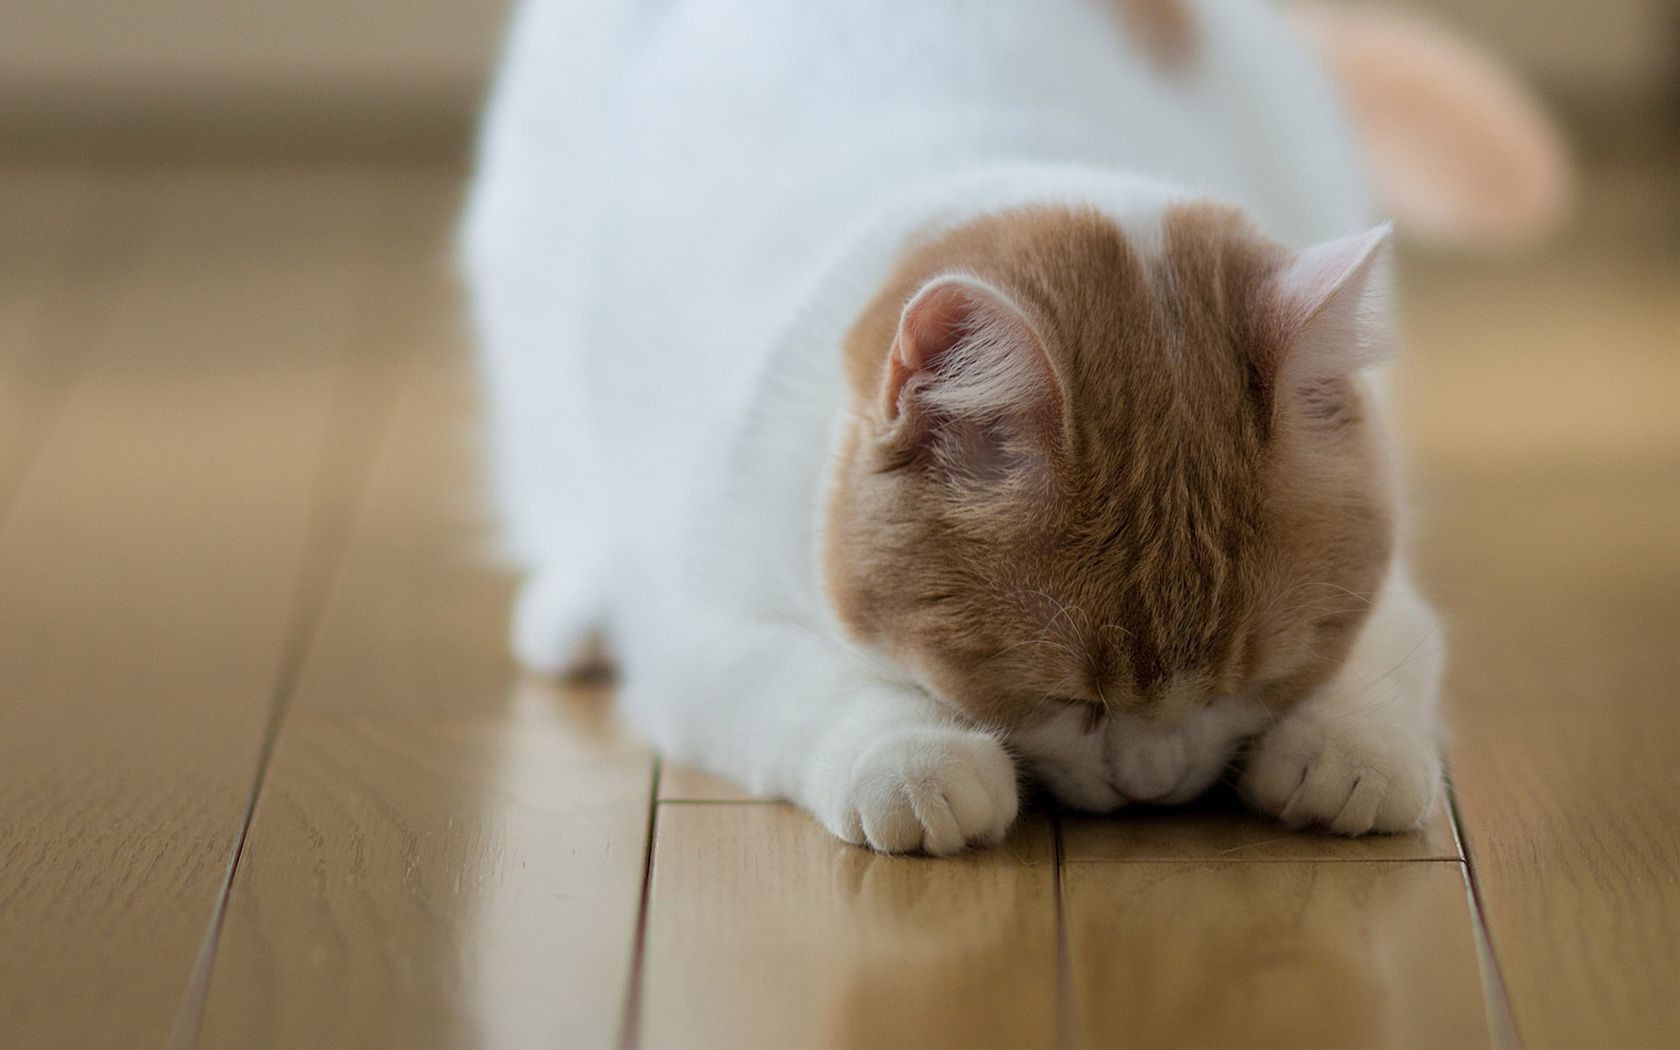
x,y
1281,955
438,882
1220,830
147,574
1567,755
763,930
1551,533
442,854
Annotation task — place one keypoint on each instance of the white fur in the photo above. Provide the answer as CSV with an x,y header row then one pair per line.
x,y
1361,754
682,204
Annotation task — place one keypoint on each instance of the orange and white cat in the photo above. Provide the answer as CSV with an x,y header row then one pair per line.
x,y
928,397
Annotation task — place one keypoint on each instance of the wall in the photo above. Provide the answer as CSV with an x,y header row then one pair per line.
x,y
409,74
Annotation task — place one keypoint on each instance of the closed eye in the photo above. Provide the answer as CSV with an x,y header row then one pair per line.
x,y
1094,711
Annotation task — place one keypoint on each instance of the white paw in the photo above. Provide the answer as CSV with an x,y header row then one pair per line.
x,y
1349,777
552,621
933,790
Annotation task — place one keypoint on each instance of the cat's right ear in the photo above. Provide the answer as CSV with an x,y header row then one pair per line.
x,y
968,375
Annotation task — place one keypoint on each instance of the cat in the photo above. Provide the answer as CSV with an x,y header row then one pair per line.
x,y
926,400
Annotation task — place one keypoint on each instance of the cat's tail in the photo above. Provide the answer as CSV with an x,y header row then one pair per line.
x,y
1461,152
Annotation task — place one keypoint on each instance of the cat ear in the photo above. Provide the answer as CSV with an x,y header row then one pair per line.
x,y
1331,301
965,354
968,378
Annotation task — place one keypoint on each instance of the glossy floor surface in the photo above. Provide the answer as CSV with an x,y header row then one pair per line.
x,y
267,778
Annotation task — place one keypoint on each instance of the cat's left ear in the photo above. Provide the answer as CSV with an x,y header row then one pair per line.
x,y
1331,303
967,379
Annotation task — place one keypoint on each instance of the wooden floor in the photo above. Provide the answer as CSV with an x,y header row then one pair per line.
x,y
267,778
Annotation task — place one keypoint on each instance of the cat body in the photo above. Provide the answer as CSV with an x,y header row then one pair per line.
x,y
729,260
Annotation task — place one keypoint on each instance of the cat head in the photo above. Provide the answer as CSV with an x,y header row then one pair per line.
x,y
1127,473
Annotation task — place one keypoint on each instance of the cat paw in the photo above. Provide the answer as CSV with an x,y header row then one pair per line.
x,y
552,623
932,790
1346,777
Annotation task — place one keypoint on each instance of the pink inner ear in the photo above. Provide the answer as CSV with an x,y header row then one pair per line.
x,y
1328,299
932,324
964,350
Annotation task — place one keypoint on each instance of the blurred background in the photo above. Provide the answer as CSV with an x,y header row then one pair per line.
x,y
383,76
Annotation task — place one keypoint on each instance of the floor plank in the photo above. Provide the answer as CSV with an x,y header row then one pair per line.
x,y
1567,752
438,882
1551,533
1513,364
56,291
1220,830
1288,955
765,931
441,856
147,576
680,783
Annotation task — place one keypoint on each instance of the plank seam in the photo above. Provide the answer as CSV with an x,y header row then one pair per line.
x,y
355,435
1067,1011
1262,860
630,1033
1502,1020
